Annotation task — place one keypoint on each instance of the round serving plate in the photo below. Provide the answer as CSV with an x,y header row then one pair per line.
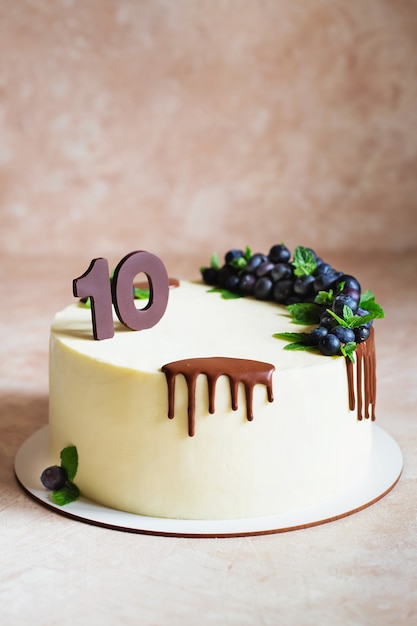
x,y
383,473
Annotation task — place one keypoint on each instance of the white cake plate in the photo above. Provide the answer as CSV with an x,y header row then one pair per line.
x,y
383,473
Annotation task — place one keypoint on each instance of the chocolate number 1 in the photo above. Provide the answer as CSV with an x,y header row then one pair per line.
x,y
95,283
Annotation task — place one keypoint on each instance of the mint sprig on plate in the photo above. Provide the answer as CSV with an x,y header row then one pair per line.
x,y
60,479
66,495
69,492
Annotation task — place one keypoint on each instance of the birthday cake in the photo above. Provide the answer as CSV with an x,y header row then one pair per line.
x,y
223,406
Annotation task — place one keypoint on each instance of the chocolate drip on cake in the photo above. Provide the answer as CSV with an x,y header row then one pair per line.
x,y
362,392
245,371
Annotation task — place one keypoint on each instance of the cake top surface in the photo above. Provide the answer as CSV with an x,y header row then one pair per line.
x,y
196,324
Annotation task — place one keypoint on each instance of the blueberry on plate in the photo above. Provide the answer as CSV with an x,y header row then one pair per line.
x,y
54,477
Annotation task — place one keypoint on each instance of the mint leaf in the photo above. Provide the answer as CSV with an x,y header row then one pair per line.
x,y
239,263
368,303
375,310
295,337
69,460
304,261
366,298
67,494
242,261
141,294
214,261
300,346
225,293
360,320
298,341
304,312
85,302
348,350
347,313
324,297
341,321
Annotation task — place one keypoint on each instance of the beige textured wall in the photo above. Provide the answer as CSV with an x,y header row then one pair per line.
x,y
182,126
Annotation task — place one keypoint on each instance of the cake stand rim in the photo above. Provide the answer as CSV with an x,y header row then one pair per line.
x,y
378,481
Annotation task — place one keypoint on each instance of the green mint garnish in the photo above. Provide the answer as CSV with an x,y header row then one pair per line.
x,y
324,297
296,337
241,262
304,261
225,293
352,321
304,313
66,495
214,261
298,341
300,346
60,479
140,294
368,303
348,350
69,461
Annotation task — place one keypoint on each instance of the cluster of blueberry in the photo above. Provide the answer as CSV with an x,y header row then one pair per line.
x,y
305,278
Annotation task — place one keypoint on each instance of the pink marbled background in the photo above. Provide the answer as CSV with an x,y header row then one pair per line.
x,y
187,126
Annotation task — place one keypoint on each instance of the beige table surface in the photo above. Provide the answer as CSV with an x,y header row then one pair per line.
x,y
359,570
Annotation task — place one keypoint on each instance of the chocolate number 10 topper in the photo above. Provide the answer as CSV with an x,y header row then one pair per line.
x,y
95,283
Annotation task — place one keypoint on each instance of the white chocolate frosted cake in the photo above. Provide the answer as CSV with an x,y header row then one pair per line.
x,y
207,414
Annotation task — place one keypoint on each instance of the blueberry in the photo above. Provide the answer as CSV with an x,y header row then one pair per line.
x,y
326,281
353,293
323,268
344,300
279,253
303,285
224,274
254,261
233,254
247,284
294,300
344,334
263,288
281,270
210,275
362,333
350,282
231,283
54,477
317,334
282,290
329,345
264,268
327,320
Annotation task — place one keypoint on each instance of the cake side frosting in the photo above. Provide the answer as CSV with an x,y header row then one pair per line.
x,y
111,400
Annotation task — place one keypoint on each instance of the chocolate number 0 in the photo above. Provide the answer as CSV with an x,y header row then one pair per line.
x,y
95,283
